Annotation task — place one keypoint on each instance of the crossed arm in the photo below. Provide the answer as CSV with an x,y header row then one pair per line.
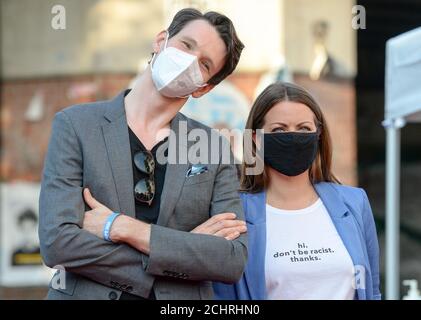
x,y
136,233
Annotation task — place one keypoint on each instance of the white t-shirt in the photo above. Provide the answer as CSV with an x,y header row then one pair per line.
x,y
305,256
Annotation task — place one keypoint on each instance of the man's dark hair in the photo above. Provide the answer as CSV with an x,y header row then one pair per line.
x,y
226,31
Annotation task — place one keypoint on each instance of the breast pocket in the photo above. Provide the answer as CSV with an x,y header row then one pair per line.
x,y
200,178
193,206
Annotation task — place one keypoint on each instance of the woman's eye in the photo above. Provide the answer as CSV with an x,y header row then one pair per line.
x,y
305,129
278,130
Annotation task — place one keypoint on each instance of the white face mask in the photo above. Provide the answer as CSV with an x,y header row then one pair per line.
x,y
175,73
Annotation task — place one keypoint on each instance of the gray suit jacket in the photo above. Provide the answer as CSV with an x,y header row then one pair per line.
x,y
89,147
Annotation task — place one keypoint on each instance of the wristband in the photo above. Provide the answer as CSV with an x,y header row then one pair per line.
x,y
108,224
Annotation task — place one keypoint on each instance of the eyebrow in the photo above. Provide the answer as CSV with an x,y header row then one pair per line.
x,y
284,124
194,42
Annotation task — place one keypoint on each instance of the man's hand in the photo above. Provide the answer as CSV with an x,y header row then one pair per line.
x,y
124,229
222,225
95,219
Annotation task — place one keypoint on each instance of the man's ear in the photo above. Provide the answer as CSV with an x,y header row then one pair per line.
x,y
159,41
202,91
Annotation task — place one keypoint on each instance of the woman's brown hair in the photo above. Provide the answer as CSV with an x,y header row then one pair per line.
x,y
321,170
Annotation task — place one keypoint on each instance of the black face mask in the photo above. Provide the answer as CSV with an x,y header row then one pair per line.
x,y
290,153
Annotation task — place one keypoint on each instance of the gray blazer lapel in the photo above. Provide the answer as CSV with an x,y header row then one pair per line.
x,y
175,174
116,138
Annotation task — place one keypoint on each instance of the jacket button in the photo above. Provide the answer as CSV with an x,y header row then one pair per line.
x,y
112,295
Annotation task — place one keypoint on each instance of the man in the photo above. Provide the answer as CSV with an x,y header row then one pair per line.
x,y
121,223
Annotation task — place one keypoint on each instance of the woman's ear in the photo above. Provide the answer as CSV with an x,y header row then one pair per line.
x,y
257,142
319,132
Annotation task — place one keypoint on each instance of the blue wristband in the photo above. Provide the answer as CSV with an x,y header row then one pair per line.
x,y
108,224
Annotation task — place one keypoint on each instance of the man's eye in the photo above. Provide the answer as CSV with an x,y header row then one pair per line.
x,y
187,45
205,65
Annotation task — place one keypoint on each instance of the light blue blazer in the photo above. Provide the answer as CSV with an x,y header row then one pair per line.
x,y
351,214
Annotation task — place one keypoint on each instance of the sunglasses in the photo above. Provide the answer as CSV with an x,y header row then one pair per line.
x,y
144,190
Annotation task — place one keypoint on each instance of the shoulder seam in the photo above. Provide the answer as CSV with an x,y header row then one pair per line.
x,y
68,118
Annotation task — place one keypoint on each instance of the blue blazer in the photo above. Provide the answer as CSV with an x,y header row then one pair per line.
x,y
351,214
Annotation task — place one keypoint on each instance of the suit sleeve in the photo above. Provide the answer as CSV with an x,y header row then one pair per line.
x,y
372,244
203,257
63,241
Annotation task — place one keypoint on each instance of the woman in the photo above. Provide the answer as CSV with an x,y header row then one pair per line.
x,y
309,236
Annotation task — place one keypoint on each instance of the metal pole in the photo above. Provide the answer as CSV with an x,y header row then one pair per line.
x,y
393,156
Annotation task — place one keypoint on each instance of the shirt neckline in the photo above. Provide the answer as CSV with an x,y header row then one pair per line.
x,y
141,143
313,207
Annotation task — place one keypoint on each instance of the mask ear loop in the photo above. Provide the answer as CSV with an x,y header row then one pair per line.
x,y
165,46
166,39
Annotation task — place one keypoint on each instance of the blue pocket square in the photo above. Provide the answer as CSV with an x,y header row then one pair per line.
x,y
196,169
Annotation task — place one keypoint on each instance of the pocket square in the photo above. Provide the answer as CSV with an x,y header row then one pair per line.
x,y
196,169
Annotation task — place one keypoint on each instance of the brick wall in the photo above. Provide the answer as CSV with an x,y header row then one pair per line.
x,y
24,143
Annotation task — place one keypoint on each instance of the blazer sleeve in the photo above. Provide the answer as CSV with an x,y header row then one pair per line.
x,y
372,244
63,242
